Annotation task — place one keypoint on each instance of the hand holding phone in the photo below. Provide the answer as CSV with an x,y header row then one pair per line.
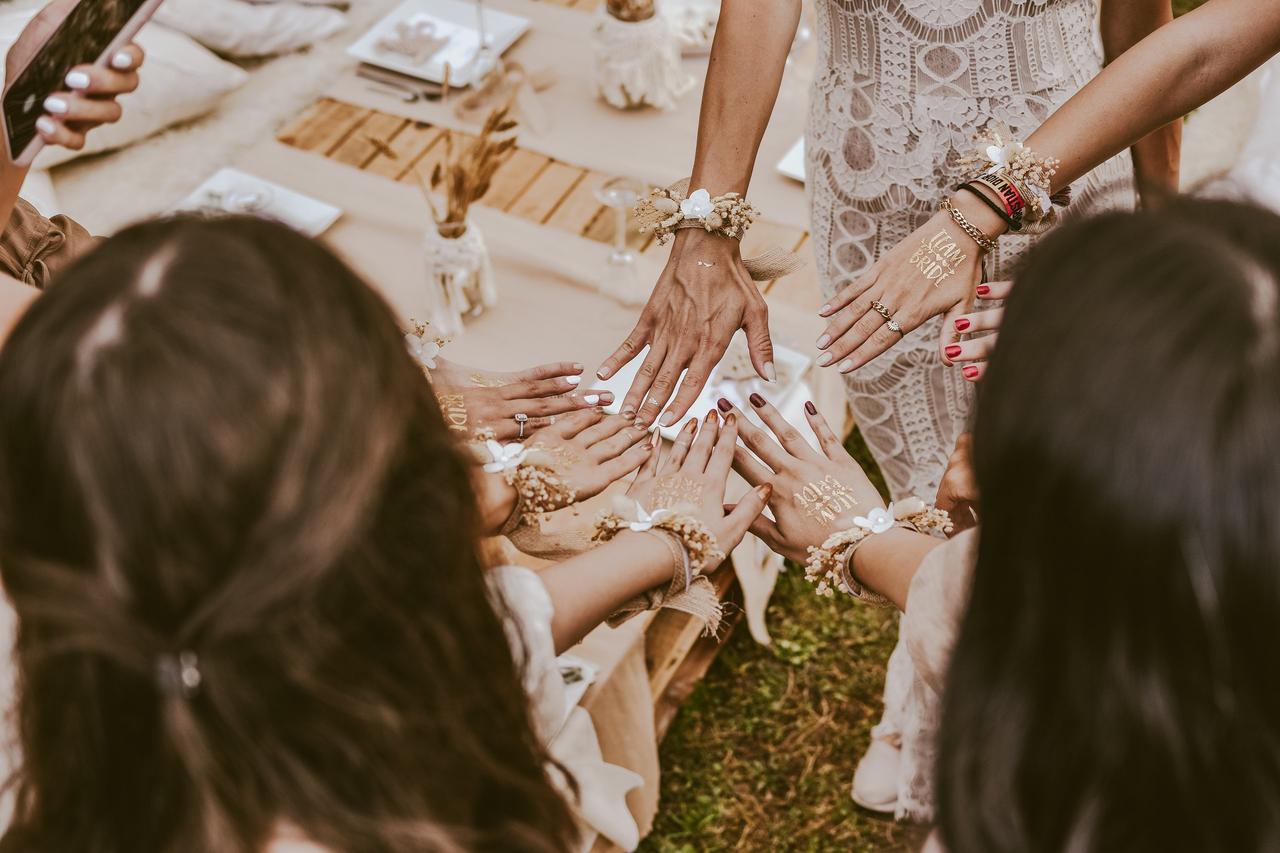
x,y
65,71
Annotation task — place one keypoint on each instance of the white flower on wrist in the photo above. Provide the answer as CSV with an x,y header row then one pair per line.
x,y
697,206
504,458
876,521
426,352
1002,155
646,521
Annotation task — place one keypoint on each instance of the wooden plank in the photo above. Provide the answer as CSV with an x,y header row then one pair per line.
x,y
436,154
580,207
329,128
514,177
369,140
544,195
404,150
315,114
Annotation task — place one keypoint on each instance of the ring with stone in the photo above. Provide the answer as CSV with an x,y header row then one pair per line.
x,y
521,418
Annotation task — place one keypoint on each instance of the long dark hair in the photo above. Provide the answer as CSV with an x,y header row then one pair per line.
x,y
243,553
1115,683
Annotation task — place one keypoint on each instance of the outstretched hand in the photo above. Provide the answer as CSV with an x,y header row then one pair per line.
x,y
701,300
960,321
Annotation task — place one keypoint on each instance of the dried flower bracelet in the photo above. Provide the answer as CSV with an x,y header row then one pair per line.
x,y
539,489
667,210
1001,158
829,567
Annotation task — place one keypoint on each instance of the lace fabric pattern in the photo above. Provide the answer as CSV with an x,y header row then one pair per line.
x,y
900,90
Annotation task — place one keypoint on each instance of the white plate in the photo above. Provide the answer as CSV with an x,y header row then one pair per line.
x,y
453,18
233,191
792,163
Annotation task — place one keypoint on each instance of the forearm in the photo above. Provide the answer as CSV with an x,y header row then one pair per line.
x,y
1169,73
748,57
888,562
11,179
589,587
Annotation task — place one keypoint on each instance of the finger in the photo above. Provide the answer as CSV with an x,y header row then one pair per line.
x,y
663,387
72,109
846,296
54,132
532,389
762,444
880,342
105,82
994,290
620,466
617,444
680,447
954,325
788,435
978,349
722,454
767,529
827,440
628,350
979,321
551,370
865,326
644,378
548,406
649,469
607,427
594,397
974,372
695,378
696,461
759,344
567,426
749,467
747,511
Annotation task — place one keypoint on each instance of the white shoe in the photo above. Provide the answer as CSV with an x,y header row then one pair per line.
x,y
875,781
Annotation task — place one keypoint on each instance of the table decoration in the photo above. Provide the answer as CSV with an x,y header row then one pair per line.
x,y
460,281
637,57
621,280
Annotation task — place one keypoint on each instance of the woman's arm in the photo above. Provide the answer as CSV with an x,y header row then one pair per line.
x,y
705,294
1156,156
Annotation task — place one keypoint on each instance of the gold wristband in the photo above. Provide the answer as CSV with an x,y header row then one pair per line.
x,y
984,242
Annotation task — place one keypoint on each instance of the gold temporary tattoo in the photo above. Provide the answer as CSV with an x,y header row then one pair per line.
x,y
455,411
938,258
826,499
674,490
561,454
481,381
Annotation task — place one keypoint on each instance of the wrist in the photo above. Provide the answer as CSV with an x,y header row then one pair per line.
x,y
979,215
655,557
497,501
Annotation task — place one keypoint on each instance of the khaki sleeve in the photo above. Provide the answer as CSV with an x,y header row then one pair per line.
x,y
936,603
34,249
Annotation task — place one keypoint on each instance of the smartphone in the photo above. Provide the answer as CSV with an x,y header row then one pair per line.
x,y
93,32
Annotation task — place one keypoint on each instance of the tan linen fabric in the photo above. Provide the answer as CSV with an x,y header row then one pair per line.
x,y
33,248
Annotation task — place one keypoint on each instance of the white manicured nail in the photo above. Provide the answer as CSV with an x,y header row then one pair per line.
x,y
846,366
591,399
573,380
823,341
57,106
667,420
825,359
78,80
769,372
122,61
46,125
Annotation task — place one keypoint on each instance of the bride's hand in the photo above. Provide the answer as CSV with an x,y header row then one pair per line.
x,y
694,473
927,274
815,492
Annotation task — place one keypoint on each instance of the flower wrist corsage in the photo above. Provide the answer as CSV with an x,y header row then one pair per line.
x,y
424,349
696,551
1019,177
667,210
830,566
539,490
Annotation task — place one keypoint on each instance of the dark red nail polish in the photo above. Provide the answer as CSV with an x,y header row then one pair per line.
x,y
757,400
983,290
952,351
970,372
962,324
811,408
723,405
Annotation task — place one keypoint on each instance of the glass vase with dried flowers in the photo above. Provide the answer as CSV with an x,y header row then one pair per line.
x,y
637,57
460,279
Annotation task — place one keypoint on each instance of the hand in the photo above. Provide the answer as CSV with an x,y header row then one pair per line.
x,y
589,451
695,472
815,492
90,98
473,401
701,300
976,351
958,491
856,333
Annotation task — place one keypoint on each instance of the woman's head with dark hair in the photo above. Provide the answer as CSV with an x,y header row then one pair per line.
x,y
243,552
1114,685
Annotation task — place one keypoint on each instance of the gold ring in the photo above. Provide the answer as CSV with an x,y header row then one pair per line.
x,y
888,316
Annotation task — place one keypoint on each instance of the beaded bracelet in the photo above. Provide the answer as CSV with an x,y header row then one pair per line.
x,y
829,566
984,242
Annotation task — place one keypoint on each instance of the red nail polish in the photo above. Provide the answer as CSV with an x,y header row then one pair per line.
x,y
983,290
723,404
811,408
952,351
970,372
962,324
757,400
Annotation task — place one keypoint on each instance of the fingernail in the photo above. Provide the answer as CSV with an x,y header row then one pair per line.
x,y
606,397
122,61
628,412
962,324
713,417
983,290
691,425
78,80
811,408
970,372
667,420
639,423
602,373
591,399
656,439
824,341
578,367
724,405
730,419
825,359
846,366
57,106
952,351
824,310
573,380
764,491
769,372
46,125
757,400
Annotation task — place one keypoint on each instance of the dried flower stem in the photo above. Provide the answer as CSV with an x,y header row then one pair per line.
x,y
463,177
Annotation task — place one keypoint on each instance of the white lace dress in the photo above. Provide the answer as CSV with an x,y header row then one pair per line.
x,y
901,88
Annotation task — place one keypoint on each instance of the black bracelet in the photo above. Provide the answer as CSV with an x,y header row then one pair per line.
x,y
1014,225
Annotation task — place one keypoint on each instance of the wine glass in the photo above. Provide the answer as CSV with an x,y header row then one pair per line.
x,y
620,195
484,62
